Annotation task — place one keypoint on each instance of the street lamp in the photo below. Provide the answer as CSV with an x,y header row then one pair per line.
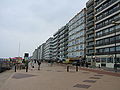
x,y
115,23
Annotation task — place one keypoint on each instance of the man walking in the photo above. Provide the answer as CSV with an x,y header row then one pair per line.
x,y
39,63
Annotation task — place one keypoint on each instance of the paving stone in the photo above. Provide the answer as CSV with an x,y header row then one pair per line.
x,y
20,76
89,81
94,78
82,86
98,75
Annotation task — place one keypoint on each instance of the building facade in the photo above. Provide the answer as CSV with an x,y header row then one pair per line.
x,y
35,54
107,40
63,42
41,51
76,36
90,32
60,43
55,45
48,49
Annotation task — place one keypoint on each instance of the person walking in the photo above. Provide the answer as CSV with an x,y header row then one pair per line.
x,y
26,65
32,64
39,63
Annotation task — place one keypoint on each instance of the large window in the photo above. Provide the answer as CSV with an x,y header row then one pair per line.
x,y
106,40
112,49
106,49
112,39
118,48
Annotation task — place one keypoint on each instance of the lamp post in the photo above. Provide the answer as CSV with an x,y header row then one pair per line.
x,y
115,66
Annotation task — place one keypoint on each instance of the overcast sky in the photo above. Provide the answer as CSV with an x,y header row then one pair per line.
x,y
32,22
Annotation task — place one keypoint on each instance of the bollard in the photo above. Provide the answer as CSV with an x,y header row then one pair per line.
x,y
15,68
67,68
76,68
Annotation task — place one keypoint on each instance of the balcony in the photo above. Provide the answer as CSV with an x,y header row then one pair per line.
x,y
90,24
88,38
107,43
89,3
109,13
98,2
108,4
104,34
90,17
90,46
90,31
107,53
108,23
90,10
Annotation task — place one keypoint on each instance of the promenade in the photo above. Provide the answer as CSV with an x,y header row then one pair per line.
x,y
56,78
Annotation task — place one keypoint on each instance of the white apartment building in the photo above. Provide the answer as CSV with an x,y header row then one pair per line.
x,y
48,49
76,37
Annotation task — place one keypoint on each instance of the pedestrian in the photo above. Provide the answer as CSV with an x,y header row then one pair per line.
x,y
32,64
26,65
115,67
87,64
39,63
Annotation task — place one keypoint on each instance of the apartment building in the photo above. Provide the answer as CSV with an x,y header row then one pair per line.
x,y
63,42
55,45
90,32
48,49
41,52
35,54
76,35
60,43
107,40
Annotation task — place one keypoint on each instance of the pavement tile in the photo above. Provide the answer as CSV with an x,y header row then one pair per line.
x,y
82,86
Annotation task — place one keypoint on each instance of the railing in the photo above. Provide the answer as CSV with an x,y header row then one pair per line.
x,y
108,4
109,13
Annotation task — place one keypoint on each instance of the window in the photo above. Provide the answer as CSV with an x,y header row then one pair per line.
x,y
106,50
106,22
112,39
106,40
111,29
112,49
97,50
118,48
103,59
118,37
101,50
110,60
106,31
117,27
99,33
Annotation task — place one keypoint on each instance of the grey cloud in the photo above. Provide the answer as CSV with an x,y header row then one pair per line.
x,y
32,22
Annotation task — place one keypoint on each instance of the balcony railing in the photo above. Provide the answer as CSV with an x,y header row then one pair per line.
x,y
108,4
106,24
108,33
109,13
107,43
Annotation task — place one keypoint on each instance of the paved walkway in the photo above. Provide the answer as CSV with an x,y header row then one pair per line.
x,y
56,78
4,76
